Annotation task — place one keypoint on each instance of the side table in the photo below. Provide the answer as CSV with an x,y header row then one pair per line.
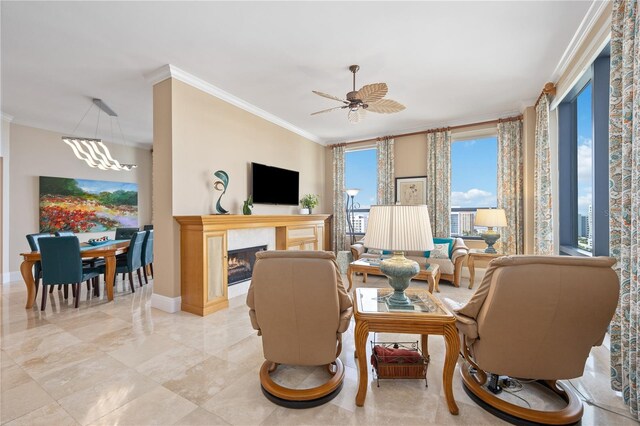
x,y
428,316
471,258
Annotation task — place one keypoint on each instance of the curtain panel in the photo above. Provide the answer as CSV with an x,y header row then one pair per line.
x,y
624,197
439,182
543,209
386,173
511,185
339,224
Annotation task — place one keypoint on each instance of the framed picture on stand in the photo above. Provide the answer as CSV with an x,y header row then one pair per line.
x,y
411,191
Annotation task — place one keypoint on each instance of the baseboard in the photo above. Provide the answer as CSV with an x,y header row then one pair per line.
x,y
164,303
9,277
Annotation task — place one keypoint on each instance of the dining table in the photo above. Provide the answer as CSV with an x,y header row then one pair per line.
x,y
107,250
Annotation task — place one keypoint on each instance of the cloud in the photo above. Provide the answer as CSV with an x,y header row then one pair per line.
x,y
585,159
473,198
584,200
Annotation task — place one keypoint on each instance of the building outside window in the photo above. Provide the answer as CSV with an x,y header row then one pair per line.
x,y
474,183
361,172
584,169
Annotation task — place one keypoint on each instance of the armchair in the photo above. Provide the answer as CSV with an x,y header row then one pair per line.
x,y
300,308
535,317
450,268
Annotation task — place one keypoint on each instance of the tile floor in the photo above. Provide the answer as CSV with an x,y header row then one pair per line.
x,y
128,364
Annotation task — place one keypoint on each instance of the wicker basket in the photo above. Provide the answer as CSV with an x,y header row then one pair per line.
x,y
402,367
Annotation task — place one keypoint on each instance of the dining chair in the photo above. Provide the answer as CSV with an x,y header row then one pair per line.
x,y
132,260
65,234
147,254
125,233
147,227
62,264
33,239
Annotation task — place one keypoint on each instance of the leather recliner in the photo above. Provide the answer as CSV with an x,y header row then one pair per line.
x,y
535,317
300,307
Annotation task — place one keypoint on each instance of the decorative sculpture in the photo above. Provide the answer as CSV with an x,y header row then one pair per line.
x,y
221,185
246,207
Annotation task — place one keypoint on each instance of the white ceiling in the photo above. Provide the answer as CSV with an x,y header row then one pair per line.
x,y
448,62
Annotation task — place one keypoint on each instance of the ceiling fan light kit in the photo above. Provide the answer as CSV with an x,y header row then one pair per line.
x,y
368,98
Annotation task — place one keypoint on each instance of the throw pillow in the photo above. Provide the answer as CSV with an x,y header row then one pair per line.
x,y
443,241
374,251
440,251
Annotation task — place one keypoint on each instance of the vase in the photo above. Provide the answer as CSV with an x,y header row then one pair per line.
x,y
305,211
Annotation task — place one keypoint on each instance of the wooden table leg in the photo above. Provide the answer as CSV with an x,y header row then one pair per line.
x,y
361,335
432,283
109,275
438,282
364,277
26,269
453,348
472,270
424,346
350,278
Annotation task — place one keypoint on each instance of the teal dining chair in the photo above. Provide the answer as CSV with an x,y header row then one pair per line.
x,y
147,255
62,264
132,260
65,234
33,239
125,233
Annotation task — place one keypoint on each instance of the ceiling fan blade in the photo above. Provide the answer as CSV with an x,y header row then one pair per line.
x,y
372,92
385,106
327,110
324,95
357,115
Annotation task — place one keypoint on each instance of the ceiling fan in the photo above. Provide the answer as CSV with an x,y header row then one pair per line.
x,y
368,98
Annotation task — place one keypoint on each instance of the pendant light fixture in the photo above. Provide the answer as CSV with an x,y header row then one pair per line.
x,y
93,151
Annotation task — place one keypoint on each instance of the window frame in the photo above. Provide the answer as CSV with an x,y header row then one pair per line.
x,y
598,75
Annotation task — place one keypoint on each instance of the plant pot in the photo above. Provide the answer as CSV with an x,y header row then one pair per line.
x,y
305,211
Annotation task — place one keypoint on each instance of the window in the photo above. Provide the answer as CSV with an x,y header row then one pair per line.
x,y
583,145
361,172
474,184
584,168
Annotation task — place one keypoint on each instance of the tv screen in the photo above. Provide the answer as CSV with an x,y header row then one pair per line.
x,y
273,185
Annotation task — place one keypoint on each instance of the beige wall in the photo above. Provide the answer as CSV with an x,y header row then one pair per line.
x,y
36,152
208,134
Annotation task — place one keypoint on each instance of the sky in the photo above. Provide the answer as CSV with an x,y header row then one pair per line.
x,y
585,144
360,172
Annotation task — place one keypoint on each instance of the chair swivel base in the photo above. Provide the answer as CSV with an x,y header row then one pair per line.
x,y
301,398
518,415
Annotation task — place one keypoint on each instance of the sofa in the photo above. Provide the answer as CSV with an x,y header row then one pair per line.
x,y
450,267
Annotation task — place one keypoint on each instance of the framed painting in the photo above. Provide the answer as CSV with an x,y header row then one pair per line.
x,y
83,205
411,191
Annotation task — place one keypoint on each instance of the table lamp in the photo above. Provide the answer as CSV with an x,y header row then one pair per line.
x,y
490,218
398,229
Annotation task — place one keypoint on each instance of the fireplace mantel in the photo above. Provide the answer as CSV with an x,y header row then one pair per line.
x,y
203,251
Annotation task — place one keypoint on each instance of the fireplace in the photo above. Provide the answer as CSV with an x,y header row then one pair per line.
x,y
240,264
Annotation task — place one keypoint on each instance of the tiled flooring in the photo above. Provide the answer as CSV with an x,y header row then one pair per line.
x,y
128,364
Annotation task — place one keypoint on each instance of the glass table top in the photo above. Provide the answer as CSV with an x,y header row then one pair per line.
x,y
376,262
373,300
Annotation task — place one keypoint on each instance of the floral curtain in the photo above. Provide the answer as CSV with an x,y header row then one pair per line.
x,y
339,234
543,212
511,186
386,182
624,197
439,182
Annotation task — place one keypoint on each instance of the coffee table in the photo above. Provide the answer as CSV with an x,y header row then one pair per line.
x,y
429,316
429,272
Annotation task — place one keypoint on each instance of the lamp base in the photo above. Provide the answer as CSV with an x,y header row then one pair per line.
x,y
490,237
399,270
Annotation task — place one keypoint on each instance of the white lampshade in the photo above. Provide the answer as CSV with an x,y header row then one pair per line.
x,y
399,228
352,192
490,217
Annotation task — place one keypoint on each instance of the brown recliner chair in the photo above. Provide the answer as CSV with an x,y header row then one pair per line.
x,y
299,305
535,317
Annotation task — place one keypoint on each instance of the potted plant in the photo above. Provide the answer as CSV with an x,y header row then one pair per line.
x,y
308,202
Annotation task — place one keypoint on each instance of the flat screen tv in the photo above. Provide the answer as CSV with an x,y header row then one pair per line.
x,y
273,185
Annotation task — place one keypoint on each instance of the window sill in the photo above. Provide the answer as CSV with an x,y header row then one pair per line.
x,y
574,251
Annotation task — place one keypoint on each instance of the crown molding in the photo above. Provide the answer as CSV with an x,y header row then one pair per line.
x,y
171,71
587,24
6,117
